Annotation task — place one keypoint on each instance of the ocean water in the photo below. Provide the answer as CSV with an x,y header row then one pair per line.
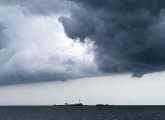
x,y
83,113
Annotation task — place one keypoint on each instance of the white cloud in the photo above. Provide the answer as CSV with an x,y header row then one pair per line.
x,y
37,46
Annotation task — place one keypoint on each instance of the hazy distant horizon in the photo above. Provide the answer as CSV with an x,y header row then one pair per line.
x,y
112,90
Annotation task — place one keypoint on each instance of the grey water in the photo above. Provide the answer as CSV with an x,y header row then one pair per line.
x,y
82,113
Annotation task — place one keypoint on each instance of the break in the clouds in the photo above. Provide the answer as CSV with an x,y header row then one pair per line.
x,y
129,34
34,48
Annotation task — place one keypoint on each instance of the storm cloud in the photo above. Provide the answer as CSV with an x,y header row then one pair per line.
x,y
34,46
65,39
128,34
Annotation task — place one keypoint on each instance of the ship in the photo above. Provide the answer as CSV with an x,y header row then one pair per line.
x,y
76,104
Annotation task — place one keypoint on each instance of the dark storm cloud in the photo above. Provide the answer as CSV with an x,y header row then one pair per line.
x,y
129,34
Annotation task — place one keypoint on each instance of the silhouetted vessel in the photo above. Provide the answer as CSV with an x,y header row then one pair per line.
x,y
76,104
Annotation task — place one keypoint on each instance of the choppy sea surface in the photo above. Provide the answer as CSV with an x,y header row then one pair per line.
x,y
82,113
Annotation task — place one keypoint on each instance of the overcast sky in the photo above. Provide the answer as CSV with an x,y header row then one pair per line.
x,y
82,41
113,90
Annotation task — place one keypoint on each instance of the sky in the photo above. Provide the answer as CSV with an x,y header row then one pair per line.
x,y
65,42
112,90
